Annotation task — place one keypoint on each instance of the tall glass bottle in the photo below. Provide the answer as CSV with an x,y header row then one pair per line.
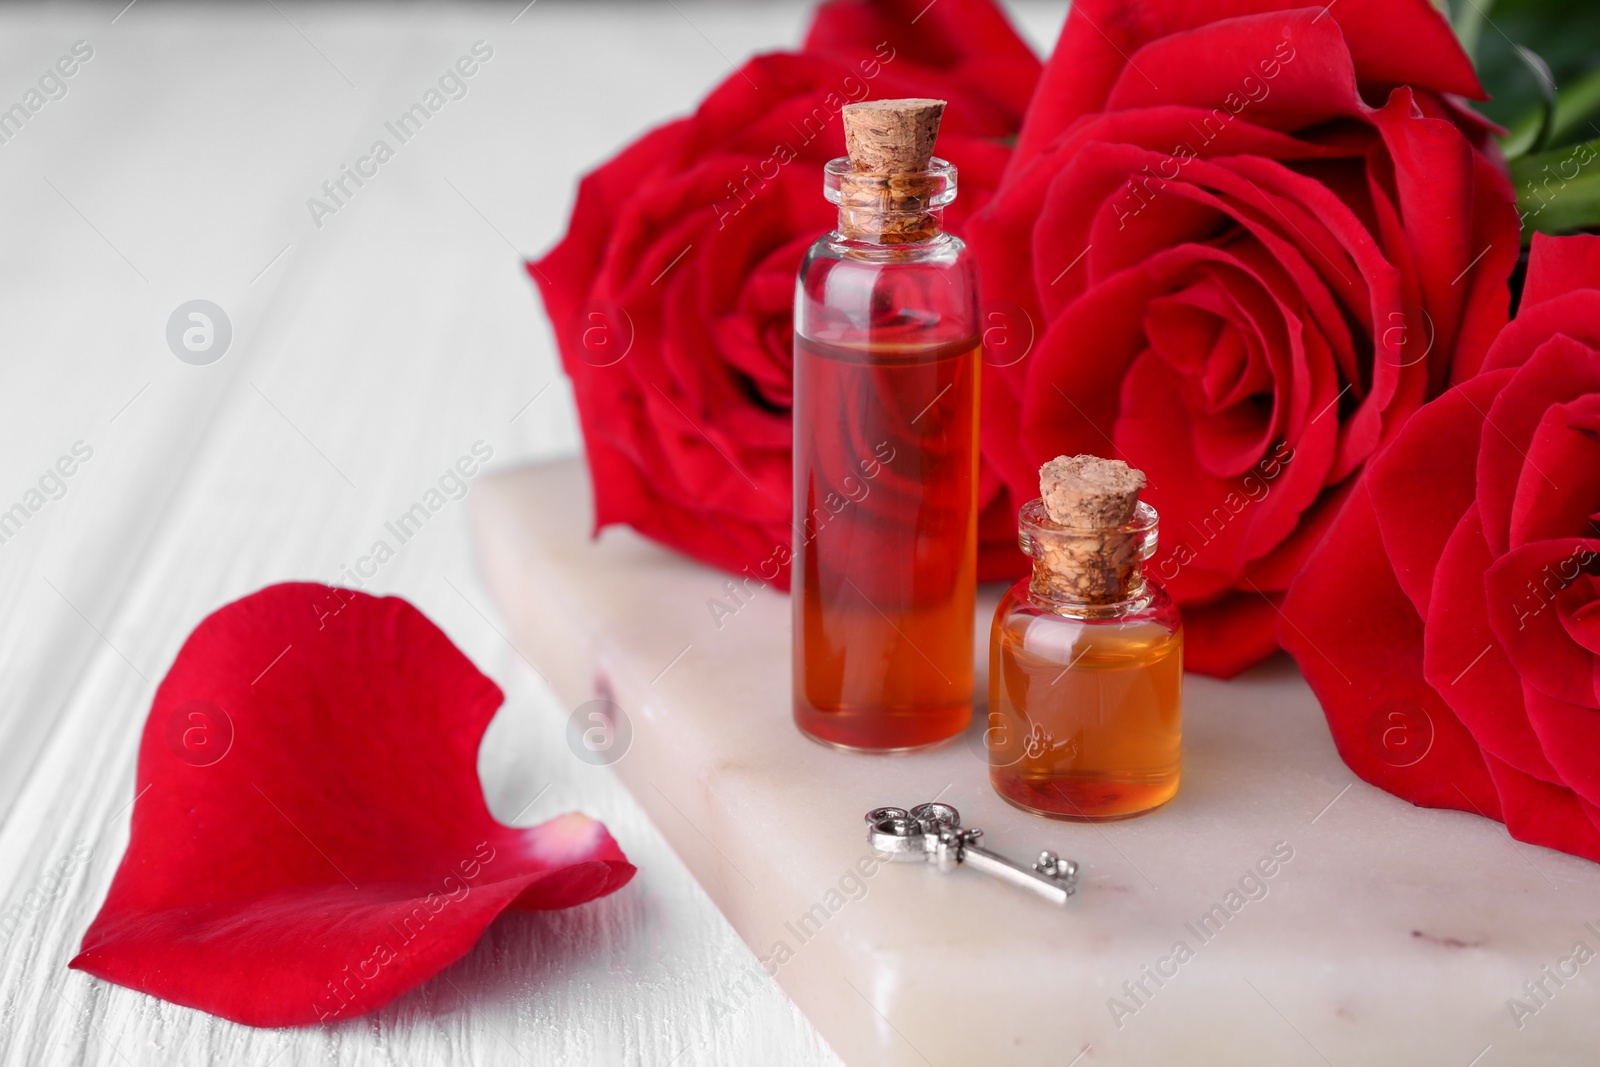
x,y
885,447
1086,655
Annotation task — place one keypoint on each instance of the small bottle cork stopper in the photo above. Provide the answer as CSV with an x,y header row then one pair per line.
x,y
892,136
1091,559
1089,493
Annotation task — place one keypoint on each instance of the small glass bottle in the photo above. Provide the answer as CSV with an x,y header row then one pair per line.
x,y
1086,654
884,550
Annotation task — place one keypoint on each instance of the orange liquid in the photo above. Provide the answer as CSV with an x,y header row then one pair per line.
x,y
885,543
1085,717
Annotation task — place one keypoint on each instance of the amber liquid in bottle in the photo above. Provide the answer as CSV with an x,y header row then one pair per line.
x,y
1085,700
884,550
886,543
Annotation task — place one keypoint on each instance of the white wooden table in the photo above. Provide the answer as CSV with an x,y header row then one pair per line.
x,y
367,353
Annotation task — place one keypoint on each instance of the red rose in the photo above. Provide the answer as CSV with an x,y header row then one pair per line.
x,y
672,293
1251,243
1450,622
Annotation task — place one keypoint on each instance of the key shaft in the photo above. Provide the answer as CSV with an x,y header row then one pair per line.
x,y
1054,888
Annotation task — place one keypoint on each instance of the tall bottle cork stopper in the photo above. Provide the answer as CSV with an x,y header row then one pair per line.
x,y
1091,558
892,136
886,197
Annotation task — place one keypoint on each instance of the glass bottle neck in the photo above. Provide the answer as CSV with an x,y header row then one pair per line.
x,y
871,226
890,209
1046,591
1088,573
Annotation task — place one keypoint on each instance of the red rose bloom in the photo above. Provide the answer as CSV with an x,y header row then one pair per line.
x,y
1251,243
1450,622
672,293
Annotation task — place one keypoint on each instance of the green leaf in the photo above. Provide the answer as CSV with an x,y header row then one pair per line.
x,y
1563,32
1469,20
1574,114
1576,107
1558,191
1534,136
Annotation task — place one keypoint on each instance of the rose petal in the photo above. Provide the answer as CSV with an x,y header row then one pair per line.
x,y
1358,641
1451,226
1424,482
1561,369
1496,229
1278,569
1571,737
1574,317
1562,502
1525,588
1465,662
1580,614
1300,48
1390,42
1544,814
1223,638
338,851
1558,265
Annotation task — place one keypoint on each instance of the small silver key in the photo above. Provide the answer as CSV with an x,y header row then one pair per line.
x,y
933,833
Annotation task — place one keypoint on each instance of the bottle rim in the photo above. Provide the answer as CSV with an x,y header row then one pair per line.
x,y
939,179
1032,516
1123,549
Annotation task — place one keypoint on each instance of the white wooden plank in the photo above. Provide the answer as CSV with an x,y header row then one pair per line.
x,y
367,355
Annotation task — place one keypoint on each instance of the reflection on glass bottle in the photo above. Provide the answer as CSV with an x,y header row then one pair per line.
x,y
1086,654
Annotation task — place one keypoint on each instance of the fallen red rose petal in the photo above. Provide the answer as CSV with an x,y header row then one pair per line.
x,y
310,838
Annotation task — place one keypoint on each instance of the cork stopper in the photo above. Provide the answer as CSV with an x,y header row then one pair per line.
x,y
1089,493
887,196
1086,546
892,136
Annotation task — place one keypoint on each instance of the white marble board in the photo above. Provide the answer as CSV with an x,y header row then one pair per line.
x,y
1386,934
